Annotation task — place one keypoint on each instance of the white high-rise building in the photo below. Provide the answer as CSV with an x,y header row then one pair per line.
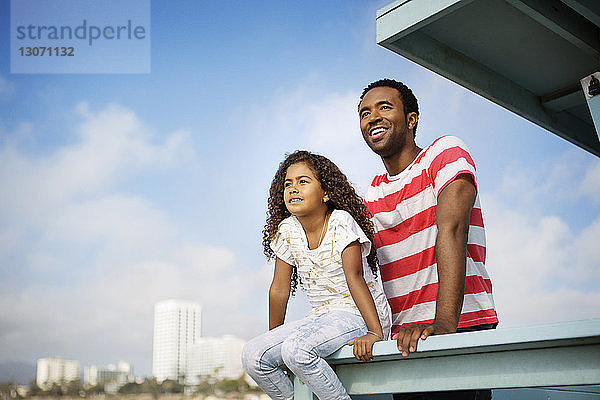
x,y
55,370
177,325
219,357
117,375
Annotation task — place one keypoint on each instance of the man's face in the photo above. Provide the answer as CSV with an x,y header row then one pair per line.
x,y
382,121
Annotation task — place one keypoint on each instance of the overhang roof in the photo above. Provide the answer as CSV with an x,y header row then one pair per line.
x,y
525,55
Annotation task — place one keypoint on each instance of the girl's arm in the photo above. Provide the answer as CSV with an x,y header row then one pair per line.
x,y
353,270
279,293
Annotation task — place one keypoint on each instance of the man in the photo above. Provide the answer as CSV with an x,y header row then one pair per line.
x,y
429,228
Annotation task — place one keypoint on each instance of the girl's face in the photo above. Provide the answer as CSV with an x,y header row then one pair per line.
x,y
302,191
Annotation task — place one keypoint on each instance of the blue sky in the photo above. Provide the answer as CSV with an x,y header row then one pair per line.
x,y
119,190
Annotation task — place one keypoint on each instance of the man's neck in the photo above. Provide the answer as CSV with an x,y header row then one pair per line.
x,y
398,162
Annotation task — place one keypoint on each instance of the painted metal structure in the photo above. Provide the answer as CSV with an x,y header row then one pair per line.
x,y
525,55
540,356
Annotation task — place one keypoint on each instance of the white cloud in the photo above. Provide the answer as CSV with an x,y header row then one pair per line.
x,y
332,129
542,269
591,182
332,123
126,220
587,254
108,313
84,261
322,122
571,176
110,146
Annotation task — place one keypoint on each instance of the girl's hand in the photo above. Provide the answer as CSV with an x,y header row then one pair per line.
x,y
363,346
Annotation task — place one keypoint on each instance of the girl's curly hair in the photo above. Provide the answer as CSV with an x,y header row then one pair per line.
x,y
341,194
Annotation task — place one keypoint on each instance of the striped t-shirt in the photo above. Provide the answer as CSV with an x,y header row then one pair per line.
x,y
404,214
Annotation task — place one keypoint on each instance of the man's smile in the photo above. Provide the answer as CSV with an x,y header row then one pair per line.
x,y
376,133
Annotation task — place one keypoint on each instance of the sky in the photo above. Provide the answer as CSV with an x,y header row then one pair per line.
x,y
120,190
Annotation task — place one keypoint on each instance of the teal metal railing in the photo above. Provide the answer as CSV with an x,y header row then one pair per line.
x,y
561,354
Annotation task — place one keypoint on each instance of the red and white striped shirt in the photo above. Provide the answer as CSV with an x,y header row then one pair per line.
x,y
404,215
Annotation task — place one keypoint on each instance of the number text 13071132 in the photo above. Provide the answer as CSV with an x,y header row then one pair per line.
x,y
47,51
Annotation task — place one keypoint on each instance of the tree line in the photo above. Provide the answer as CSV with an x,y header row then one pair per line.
x,y
208,385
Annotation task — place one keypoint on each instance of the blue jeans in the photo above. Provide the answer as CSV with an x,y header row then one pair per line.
x,y
301,346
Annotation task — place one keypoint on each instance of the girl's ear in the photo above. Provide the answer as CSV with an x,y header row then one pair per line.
x,y
325,198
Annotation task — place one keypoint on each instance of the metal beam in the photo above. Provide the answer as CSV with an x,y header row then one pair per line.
x,y
562,354
590,9
457,67
563,99
414,15
531,337
563,21
539,356
552,366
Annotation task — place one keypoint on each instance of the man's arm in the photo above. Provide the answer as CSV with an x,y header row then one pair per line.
x,y
453,214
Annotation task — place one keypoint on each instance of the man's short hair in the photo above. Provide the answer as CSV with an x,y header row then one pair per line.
x,y
409,100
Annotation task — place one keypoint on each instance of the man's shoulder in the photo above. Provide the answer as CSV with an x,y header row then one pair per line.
x,y
445,142
445,146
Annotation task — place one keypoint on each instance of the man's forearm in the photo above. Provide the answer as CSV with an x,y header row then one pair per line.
x,y
451,265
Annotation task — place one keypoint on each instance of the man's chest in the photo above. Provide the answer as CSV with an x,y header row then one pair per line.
x,y
403,207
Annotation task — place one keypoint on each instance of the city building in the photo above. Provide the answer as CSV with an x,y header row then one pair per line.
x,y
177,326
112,377
55,371
218,357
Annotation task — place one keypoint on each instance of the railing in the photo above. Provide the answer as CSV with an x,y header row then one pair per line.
x,y
561,354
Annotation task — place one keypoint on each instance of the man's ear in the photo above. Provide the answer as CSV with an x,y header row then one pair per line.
x,y
411,120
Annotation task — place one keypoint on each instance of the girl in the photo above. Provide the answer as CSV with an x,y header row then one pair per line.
x,y
319,232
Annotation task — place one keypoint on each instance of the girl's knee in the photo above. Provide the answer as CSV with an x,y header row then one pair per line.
x,y
246,356
258,357
250,357
295,353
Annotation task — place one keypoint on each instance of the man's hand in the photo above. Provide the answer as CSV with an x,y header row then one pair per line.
x,y
409,335
363,346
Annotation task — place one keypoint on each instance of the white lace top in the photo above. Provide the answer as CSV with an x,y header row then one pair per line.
x,y
320,270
